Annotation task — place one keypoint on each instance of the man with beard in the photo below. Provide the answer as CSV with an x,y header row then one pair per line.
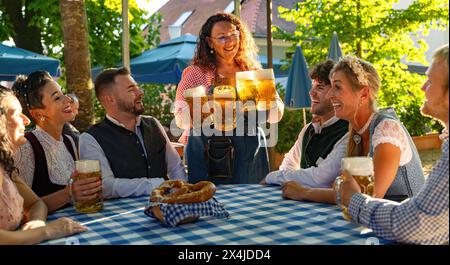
x,y
314,160
134,151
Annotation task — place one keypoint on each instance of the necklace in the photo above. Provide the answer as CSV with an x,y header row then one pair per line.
x,y
357,136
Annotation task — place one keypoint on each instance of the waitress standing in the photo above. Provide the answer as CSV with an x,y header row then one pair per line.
x,y
225,47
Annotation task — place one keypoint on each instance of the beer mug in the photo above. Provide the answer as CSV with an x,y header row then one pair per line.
x,y
246,88
265,86
361,168
89,169
196,99
224,108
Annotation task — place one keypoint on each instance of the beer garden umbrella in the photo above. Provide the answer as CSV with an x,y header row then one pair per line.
x,y
298,84
334,52
165,64
17,61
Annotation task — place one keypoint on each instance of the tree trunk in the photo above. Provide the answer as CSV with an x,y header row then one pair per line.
x,y
26,37
76,58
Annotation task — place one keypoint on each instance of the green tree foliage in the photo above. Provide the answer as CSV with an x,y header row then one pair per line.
x,y
104,23
373,31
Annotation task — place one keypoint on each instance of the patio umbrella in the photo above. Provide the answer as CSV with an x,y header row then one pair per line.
x,y
165,64
334,52
299,84
17,61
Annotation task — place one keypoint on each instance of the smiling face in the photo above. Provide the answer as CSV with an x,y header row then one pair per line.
x,y
436,94
224,40
128,96
320,99
344,100
15,120
57,108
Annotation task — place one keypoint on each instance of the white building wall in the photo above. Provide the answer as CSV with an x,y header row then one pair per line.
x,y
435,39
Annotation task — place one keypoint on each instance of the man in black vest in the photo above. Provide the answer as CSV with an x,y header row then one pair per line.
x,y
314,160
135,153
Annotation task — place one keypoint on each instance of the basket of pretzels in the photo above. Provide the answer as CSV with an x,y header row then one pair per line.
x,y
177,202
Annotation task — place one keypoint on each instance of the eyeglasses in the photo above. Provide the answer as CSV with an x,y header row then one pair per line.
x,y
223,39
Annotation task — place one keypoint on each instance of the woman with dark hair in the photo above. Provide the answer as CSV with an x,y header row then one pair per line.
x,y
46,161
225,47
19,205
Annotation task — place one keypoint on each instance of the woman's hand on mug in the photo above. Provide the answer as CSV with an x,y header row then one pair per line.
x,y
63,227
85,189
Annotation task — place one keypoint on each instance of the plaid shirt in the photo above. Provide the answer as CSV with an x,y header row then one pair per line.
x,y
423,219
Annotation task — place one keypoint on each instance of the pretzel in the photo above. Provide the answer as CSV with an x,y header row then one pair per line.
x,y
178,191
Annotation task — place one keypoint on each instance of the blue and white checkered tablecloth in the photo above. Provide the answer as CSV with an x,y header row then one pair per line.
x,y
258,215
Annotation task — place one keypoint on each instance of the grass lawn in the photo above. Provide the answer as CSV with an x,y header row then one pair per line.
x,y
429,158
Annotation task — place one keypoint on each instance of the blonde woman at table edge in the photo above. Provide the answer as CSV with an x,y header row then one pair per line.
x,y
19,205
397,168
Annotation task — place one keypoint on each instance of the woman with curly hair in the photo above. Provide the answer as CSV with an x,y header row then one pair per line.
x,y
19,205
225,47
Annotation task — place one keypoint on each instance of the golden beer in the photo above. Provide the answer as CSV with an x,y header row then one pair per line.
x,y
246,86
225,108
265,86
196,99
361,168
89,169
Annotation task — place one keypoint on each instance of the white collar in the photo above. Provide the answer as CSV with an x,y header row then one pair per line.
x,y
364,128
118,123
47,136
318,127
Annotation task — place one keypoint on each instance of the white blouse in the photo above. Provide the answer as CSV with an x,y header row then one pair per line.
x,y
60,162
390,131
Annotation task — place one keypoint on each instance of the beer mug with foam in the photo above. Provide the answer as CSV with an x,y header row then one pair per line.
x,y
197,101
265,87
224,108
246,88
361,168
89,169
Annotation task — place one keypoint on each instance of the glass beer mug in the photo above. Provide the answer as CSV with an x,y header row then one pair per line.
x,y
224,108
361,168
196,99
246,88
89,169
265,87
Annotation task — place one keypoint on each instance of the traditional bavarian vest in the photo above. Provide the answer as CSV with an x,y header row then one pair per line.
x,y
315,145
124,151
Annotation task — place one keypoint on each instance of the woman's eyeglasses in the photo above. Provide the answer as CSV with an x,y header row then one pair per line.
x,y
223,39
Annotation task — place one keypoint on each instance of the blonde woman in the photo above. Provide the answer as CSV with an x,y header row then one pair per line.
x,y
397,168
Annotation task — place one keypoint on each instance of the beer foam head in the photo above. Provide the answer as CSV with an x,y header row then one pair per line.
x,y
87,166
358,166
225,92
264,74
195,92
246,75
